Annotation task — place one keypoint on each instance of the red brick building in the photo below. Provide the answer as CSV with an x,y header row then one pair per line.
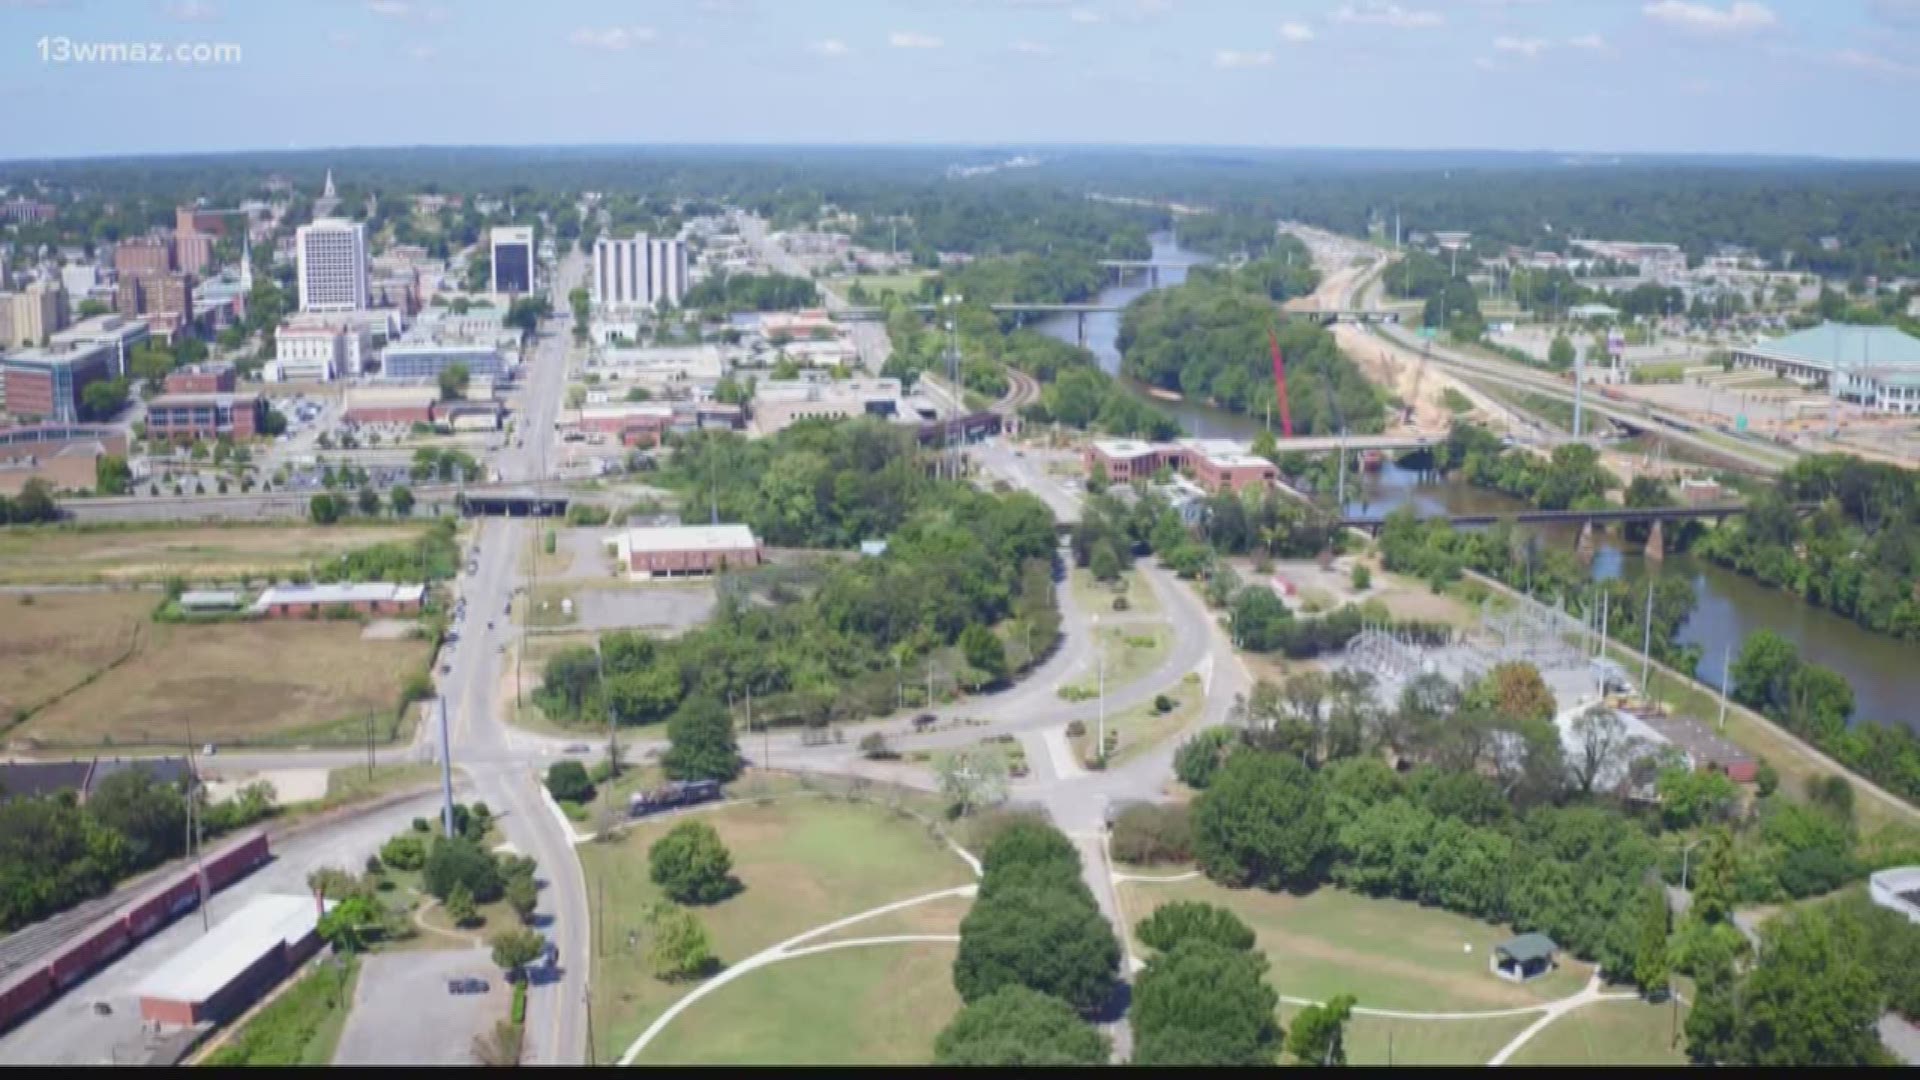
x,y
206,416
688,550
143,254
1214,464
201,379
365,598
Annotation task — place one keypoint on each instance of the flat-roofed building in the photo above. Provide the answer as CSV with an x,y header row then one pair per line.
x,y
411,361
332,257
143,255
307,343
48,384
687,550
512,249
664,371
33,315
634,423
1127,460
391,404
201,379
154,293
206,416
365,598
223,972
63,455
1226,464
1874,367
117,331
780,403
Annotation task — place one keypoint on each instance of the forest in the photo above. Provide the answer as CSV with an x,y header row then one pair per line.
x,y
1208,339
962,595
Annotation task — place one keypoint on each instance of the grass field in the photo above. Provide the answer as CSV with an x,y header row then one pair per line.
x,y
1389,954
803,861
276,681
51,641
1140,728
198,553
1609,1033
905,284
1095,598
1379,1040
866,1005
1130,651
300,1027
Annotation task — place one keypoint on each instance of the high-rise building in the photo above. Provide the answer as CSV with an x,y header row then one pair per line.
x,y
332,254
33,314
143,254
639,273
154,294
512,251
192,219
192,252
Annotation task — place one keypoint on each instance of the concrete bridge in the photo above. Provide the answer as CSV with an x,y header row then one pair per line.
x,y
1716,511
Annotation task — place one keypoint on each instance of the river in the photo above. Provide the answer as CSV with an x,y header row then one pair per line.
x,y
1728,607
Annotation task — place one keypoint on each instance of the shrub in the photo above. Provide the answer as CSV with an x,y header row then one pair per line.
x,y
1189,920
1017,1026
1199,758
1076,729
691,865
459,861
567,781
1162,703
404,853
1147,833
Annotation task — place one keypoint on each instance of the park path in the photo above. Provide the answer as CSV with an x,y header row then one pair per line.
x,y
789,949
1554,1011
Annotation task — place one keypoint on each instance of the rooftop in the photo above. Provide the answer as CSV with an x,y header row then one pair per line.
x,y
214,961
1125,448
200,399
692,538
366,592
1527,947
1850,346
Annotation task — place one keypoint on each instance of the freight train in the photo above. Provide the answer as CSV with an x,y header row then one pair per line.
x,y
47,976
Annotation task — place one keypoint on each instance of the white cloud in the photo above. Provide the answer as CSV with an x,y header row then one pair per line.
x,y
1484,63
423,52
1589,42
1527,47
1145,8
1233,58
1741,17
1375,13
1030,48
1294,31
1861,60
192,11
1085,16
392,9
613,38
907,39
829,47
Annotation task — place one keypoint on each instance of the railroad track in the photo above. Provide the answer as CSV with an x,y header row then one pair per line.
x,y
1022,390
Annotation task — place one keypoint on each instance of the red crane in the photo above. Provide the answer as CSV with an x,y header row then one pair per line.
x,y
1280,384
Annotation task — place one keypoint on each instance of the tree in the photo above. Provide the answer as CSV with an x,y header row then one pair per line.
x,y
1104,564
369,502
523,895
1651,962
324,509
972,777
514,949
149,813
454,380
111,476
459,861
1029,851
567,781
460,906
700,739
1262,822
400,499
1319,1032
691,865
1015,1026
1198,760
984,652
404,853
1810,1001
103,399
1190,920
1515,691
1713,881
1560,353
1203,1004
346,925
677,944
1602,745
1040,936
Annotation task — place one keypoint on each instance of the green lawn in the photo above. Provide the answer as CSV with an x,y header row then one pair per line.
x,y
1130,650
866,1005
1389,954
300,1027
1141,728
1609,1033
1096,598
905,284
1379,1040
803,861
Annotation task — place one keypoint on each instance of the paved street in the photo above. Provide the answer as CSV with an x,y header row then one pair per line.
x,y
403,1015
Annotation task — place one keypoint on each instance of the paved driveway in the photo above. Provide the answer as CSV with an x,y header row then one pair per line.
x,y
403,1015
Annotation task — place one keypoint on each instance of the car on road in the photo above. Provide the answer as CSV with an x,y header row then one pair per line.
x,y
578,748
924,721
468,985
209,750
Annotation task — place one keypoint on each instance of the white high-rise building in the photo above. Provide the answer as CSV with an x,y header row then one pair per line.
x,y
639,273
332,253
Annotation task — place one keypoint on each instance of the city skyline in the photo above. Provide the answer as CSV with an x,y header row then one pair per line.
x,y
1726,77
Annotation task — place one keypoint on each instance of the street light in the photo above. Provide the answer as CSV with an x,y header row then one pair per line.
x,y
1100,661
1686,853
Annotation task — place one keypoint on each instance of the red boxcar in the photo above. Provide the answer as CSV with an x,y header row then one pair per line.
x,y
231,862
97,944
23,993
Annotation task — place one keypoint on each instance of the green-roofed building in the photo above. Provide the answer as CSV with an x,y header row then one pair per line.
x,y
1528,956
1874,367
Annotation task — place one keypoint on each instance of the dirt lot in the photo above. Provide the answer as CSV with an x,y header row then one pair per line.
x,y
285,681
50,641
197,553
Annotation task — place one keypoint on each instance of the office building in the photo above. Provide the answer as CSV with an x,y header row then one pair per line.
x,y
332,256
639,273
391,404
424,361
512,251
143,254
201,379
780,403
206,416
47,384
150,293
63,455
342,344
192,252
1873,367
32,315
1214,464
116,331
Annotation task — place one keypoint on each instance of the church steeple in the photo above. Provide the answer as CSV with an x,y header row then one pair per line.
x,y
327,192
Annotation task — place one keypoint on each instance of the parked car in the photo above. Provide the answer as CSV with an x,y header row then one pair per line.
x,y
468,985
924,721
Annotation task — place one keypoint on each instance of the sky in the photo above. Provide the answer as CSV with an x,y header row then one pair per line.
x,y
1833,78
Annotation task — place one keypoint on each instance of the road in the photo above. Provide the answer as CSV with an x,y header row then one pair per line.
x,y
870,338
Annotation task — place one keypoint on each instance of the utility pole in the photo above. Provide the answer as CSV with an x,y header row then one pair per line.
x,y
1100,654
193,833
1579,385
1646,642
1726,655
446,771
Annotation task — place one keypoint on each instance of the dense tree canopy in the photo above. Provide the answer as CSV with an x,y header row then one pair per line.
x,y
1262,822
1015,1026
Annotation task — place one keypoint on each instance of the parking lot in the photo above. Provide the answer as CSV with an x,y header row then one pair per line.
x,y
403,1013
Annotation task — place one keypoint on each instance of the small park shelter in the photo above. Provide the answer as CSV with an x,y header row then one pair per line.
x,y
1519,959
